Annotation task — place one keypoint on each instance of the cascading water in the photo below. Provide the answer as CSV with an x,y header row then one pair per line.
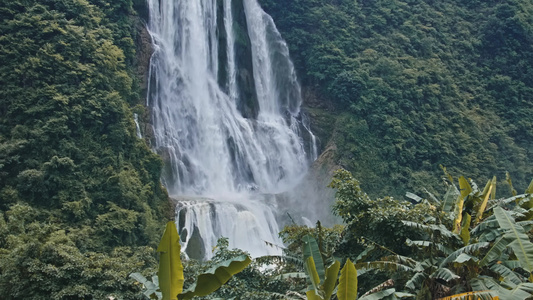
x,y
225,105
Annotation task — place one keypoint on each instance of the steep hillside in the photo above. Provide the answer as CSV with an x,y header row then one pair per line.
x,y
79,192
417,84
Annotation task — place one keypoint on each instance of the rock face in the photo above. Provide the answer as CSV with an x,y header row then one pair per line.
x,y
143,53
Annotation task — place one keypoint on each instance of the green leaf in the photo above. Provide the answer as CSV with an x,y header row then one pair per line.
x,y
415,281
444,274
487,193
506,273
463,257
414,197
466,249
522,247
494,253
215,277
521,291
465,229
347,289
332,273
364,254
379,295
464,187
449,198
170,268
529,189
312,295
312,274
151,287
310,248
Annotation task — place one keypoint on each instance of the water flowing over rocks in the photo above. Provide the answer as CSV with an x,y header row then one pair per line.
x,y
225,103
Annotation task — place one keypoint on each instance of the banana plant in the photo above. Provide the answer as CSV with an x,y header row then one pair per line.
x,y
323,281
168,284
476,248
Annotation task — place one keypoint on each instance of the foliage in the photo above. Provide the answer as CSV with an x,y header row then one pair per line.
x,y
170,280
42,259
79,192
373,222
415,84
453,254
491,260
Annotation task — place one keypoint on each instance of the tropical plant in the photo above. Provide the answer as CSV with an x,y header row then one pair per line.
x,y
489,257
168,284
323,277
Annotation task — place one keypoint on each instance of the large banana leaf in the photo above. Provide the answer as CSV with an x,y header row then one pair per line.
x,y
330,282
312,295
465,229
311,249
404,260
465,189
215,277
414,197
312,274
415,281
487,193
522,247
444,274
379,295
530,188
469,249
487,223
347,289
494,253
449,198
491,235
364,254
506,273
520,291
170,268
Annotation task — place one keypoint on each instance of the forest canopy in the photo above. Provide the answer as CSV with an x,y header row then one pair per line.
x,y
419,83
80,195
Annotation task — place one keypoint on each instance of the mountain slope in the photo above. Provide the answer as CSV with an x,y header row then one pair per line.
x,y
79,192
418,84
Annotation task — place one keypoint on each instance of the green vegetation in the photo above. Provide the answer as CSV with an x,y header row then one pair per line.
x,y
171,279
467,244
410,85
453,253
80,197
417,84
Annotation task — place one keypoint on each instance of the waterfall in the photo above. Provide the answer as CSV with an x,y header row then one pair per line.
x,y
137,127
225,104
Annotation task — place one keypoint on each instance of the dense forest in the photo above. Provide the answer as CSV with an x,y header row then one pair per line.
x,y
81,204
397,89
418,84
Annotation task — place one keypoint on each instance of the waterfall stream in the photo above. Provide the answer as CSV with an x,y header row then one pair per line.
x,y
225,105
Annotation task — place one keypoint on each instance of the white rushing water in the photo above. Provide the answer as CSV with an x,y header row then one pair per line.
x,y
229,135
